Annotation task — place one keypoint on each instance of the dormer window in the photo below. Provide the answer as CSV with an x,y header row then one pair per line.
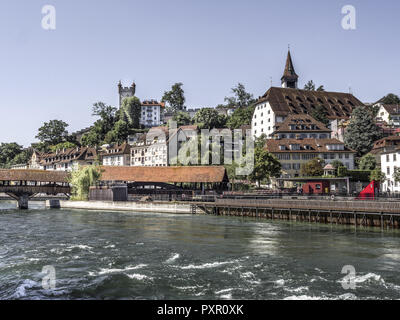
x,y
294,147
282,147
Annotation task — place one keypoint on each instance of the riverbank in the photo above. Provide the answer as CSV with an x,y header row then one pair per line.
x,y
367,214
160,207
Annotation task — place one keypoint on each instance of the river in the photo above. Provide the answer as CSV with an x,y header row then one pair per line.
x,y
120,255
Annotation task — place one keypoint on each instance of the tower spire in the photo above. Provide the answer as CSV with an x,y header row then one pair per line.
x,y
289,78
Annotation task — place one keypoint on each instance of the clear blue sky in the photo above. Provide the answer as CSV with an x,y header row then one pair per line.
x,y
209,45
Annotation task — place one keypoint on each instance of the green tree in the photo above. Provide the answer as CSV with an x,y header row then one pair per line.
x,y
362,131
396,175
320,114
53,132
131,111
82,179
182,118
63,145
368,162
8,151
313,168
208,118
175,98
23,157
266,166
240,117
241,98
337,164
377,175
92,138
119,133
108,116
310,86
342,172
390,99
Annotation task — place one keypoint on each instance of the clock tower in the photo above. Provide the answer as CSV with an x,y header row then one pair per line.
x,y
125,92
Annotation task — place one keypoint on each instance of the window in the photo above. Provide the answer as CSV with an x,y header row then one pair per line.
x,y
308,156
284,156
388,171
332,156
347,156
296,156
394,157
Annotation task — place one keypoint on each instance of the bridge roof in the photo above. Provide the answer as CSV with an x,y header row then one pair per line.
x,y
33,175
211,174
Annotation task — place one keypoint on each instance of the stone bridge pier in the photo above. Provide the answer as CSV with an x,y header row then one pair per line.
x,y
22,199
23,202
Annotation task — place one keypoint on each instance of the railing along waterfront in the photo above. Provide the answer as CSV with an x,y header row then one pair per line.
x,y
358,213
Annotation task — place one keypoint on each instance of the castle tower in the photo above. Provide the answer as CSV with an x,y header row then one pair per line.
x,y
125,92
289,78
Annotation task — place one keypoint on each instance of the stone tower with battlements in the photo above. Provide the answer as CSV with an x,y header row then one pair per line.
x,y
126,92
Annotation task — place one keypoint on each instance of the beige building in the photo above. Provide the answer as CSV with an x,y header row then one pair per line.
x,y
300,138
116,155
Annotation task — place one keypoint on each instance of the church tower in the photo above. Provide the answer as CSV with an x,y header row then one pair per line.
x,y
289,78
125,92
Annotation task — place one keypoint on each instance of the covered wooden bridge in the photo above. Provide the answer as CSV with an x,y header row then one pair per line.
x,y
22,185
160,182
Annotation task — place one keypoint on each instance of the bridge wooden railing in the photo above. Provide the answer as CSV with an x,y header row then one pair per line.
x,y
35,189
346,206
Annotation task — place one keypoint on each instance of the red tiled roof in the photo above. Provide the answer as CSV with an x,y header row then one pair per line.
x,y
33,175
392,108
116,150
67,155
298,120
210,174
285,101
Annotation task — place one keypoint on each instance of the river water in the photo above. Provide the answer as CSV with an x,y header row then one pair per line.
x,y
120,255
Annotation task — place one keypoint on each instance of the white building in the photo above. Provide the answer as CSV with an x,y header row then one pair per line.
x,y
152,113
389,113
153,149
390,161
277,103
116,155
